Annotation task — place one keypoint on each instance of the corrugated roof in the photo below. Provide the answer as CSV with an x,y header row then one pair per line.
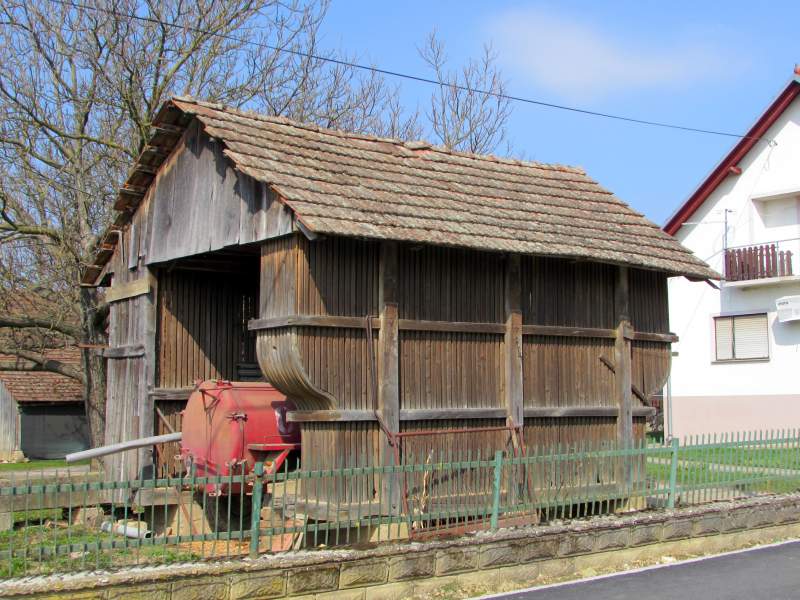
x,y
338,183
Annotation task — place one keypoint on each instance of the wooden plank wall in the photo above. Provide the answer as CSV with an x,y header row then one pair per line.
x,y
127,386
338,445
451,340
319,366
9,424
168,421
203,326
198,203
442,369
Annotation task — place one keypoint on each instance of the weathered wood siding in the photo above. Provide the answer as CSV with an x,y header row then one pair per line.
x,y
450,369
453,349
9,423
167,419
128,413
319,279
198,203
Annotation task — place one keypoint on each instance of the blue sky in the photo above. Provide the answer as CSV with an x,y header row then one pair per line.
x,y
713,65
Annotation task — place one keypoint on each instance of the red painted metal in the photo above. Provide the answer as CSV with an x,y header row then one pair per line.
x,y
739,151
229,426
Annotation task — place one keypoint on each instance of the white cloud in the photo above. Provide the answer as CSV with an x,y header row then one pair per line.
x,y
579,60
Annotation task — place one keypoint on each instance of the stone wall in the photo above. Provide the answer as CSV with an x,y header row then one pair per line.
x,y
479,563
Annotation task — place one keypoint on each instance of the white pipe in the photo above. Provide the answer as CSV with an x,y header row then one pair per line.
x,y
130,531
122,446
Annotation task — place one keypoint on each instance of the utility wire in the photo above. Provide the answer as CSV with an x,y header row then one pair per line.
x,y
417,78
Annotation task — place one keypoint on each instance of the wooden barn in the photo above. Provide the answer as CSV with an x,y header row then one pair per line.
x,y
386,287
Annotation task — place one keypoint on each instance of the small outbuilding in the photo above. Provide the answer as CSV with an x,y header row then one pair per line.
x,y
386,287
42,414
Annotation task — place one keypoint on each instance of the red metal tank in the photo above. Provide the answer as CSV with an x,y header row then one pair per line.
x,y
229,426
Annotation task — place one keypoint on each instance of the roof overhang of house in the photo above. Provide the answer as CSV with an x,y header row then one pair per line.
x,y
730,164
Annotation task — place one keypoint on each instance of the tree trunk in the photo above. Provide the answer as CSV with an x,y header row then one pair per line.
x,y
94,393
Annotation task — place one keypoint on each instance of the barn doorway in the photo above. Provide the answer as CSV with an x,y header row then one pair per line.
x,y
204,305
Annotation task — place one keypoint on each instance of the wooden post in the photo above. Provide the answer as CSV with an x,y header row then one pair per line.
x,y
146,407
513,342
622,359
388,368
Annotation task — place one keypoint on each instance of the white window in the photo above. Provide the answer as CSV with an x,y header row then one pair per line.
x,y
741,337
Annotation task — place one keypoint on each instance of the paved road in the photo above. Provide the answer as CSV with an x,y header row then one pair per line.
x,y
771,573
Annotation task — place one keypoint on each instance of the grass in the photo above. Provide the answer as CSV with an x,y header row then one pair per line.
x,y
698,471
34,541
771,458
38,515
35,465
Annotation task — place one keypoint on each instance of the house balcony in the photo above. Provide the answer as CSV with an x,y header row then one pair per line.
x,y
759,265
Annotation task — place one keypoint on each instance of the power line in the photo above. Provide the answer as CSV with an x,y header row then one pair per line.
x,y
398,74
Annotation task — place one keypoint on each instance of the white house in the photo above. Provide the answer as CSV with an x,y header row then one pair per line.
x,y
737,364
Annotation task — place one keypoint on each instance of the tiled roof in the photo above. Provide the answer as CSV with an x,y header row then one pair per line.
x,y
43,386
339,183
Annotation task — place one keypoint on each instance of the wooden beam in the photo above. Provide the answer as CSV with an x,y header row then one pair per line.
x,y
512,342
582,411
170,393
310,321
144,169
131,289
147,425
168,129
388,365
668,338
160,151
329,416
125,351
444,414
437,414
451,326
622,372
310,235
133,190
558,331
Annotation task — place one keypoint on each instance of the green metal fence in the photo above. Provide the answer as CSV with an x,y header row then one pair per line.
x,y
70,521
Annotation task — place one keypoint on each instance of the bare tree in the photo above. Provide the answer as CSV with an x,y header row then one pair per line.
x,y
462,116
80,83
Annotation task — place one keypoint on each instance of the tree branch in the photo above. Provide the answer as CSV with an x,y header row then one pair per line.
x,y
40,323
42,362
35,230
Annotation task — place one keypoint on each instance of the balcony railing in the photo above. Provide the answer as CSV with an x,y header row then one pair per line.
x,y
757,262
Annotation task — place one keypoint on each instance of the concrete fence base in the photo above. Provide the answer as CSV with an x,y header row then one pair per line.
x,y
475,564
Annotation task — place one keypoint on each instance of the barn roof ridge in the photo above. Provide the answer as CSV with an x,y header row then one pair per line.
x,y
409,144
339,183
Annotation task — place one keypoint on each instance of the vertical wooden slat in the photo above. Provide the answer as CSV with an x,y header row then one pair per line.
x,y
388,365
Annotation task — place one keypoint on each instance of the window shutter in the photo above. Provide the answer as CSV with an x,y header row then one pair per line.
x,y
751,338
724,337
